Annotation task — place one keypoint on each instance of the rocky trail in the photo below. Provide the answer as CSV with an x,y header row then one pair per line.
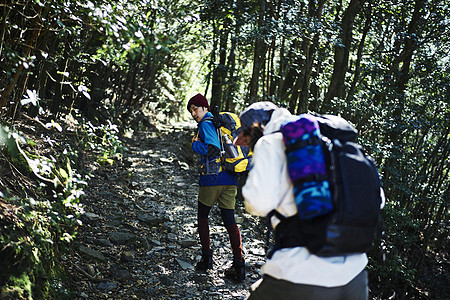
x,y
139,236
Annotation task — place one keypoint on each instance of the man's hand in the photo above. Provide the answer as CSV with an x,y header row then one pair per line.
x,y
194,138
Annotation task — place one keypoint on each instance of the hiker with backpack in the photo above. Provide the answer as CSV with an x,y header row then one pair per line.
x,y
293,270
216,185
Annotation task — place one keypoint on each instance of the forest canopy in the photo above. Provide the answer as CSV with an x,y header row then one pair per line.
x,y
384,66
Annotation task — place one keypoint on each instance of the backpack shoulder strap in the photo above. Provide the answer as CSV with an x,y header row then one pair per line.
x,y
208,119
276,214
269,231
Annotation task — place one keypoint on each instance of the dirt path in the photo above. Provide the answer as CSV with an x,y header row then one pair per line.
x,y
139,237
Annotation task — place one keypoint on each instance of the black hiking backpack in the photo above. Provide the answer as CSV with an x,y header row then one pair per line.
x,y
336,189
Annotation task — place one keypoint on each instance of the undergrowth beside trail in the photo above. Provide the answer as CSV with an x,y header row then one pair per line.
x,y
44,167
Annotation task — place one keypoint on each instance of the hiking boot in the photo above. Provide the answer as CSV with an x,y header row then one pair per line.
x,y
205,263
237,271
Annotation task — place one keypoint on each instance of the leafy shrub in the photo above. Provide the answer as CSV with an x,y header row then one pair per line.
x,y
104,140
391,263
40,215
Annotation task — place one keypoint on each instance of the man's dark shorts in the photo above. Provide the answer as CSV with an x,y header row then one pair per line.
x,y
225,195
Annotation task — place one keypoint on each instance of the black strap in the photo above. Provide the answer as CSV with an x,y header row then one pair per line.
x,y
287,233
276,214
269,231
208,119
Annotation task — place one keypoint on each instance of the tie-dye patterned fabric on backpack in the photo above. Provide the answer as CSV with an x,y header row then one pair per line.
x,y
306,167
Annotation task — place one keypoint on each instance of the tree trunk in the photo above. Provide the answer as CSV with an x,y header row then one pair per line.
x,y
315,15
258,59
337,83
270,82
304,93
401,64
29,46
400,71
314,104
212,61
298,75
220,71
288,73
231,82
232,86
359,55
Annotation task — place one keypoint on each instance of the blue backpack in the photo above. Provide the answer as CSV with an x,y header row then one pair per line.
x,y
336,188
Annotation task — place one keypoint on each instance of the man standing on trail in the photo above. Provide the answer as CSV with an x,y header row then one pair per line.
x,y
216,185
290,273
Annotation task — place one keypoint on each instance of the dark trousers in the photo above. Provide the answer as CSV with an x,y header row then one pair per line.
x,y
271,288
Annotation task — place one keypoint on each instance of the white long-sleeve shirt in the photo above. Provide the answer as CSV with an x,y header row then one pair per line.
x,y
268,187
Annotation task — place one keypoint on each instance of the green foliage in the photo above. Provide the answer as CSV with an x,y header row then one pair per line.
x,y
18,287
390,266
39,227
104,140
39,223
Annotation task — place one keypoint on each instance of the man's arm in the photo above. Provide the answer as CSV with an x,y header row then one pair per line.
x,y
208,142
